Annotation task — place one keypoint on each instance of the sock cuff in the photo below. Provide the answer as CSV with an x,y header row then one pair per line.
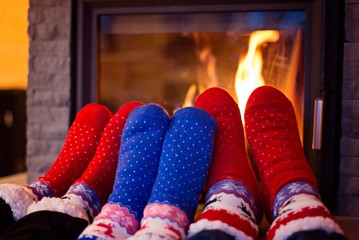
x,y
86,197
291,189
61,205
166,211
120,215
308,218
104,229
234,225
19,198
236,190
41,188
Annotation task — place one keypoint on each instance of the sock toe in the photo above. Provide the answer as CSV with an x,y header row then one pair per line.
x,y
266,95
212,96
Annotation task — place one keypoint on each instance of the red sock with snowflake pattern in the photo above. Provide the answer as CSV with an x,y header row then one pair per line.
x,y
290,194
90,192
233,202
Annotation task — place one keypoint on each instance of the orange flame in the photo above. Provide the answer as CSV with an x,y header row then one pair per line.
x,y
191,93
249,72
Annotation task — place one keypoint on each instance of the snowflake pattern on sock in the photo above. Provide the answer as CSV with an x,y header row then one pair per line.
x,y
229,207
290,190
240,191
91,202
41,189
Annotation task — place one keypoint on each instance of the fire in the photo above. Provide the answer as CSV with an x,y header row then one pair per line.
x,y
249,72
191,93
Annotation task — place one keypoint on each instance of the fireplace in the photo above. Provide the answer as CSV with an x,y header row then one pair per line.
x,y
64,60
155,51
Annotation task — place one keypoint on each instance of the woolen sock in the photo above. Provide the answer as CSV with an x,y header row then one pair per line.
x,y
138,160
100,173
90,192
185,160
232,203
79,148
290,192
230,158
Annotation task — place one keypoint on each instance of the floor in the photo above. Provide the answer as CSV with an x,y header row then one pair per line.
x,y
350,225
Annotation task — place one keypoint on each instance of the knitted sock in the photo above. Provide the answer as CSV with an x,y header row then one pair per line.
x,y
185,159
232,202
87,195
136,172
289,186
79,148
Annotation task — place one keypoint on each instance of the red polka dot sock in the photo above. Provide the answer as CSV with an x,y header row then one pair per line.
x,y
230,160
79,148
88,193
100,173
289,187
233,201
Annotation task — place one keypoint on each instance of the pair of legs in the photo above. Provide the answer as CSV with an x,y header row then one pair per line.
x,y
163,163
77,184
289,191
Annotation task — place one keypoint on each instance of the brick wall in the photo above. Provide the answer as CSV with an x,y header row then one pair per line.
x,y
48,94
349,165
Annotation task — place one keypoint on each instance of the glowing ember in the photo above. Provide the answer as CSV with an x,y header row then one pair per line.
x,y
249,72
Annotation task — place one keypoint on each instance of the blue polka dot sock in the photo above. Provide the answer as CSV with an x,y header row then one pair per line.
x,y
185,159
137,168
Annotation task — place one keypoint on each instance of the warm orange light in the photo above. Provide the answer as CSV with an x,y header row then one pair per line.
x,y
249,72
191,93
14,44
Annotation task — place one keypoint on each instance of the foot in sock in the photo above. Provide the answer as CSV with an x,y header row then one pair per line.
x,y
139,156
79,148
185,160
232,202
90,192
290,194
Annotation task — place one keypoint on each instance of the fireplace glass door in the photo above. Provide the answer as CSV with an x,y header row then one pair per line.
x,y
171,58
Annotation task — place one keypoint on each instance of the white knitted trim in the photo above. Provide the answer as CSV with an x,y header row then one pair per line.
x,y
67,206
299,202
18,198
305,224
204,224
99,228
157,226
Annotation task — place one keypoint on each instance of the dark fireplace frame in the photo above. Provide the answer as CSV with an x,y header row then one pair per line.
x,y
323,64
